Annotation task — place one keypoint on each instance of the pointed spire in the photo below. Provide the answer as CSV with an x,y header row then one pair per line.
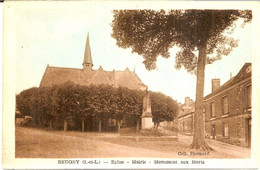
x,y
87,56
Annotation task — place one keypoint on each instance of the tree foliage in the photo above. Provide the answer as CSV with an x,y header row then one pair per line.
x,y
23,101
151,33
163,108
201,36
74,102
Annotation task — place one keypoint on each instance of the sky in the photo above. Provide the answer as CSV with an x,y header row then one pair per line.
x,y
56,35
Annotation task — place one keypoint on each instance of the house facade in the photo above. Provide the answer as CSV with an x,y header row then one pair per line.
x,y
186,117
228,109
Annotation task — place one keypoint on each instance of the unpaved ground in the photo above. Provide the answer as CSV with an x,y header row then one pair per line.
x,y
221,147
36,143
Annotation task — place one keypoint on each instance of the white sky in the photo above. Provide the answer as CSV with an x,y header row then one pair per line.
x,y
56,35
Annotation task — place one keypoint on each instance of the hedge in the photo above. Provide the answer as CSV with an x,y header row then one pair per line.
x,y
51,106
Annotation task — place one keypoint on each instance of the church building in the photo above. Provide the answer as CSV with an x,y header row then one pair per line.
x,y
88,76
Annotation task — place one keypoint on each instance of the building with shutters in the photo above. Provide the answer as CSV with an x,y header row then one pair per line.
x,y
228,109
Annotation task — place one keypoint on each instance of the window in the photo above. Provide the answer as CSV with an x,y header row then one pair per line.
x,y
225,105
212,109
225,130
249,95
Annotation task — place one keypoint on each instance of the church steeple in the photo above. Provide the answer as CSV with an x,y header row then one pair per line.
x,y
87,63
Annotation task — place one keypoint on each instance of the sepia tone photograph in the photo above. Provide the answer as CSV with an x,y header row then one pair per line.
x,y
94,80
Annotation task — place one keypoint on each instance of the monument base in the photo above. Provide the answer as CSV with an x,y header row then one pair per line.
x,y
147,123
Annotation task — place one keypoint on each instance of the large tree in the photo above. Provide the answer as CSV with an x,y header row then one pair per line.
x,y
164,108
201,36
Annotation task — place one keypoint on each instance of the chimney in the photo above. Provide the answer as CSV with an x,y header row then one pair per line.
x,y
187,101
230,74
215,84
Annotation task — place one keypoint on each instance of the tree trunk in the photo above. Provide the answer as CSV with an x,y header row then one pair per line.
x,y
118,125
33,121
156,125
83,125
198,134
51,123
99,125
137,125
65,125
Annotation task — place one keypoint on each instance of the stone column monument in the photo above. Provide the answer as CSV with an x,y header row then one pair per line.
x,y
147,118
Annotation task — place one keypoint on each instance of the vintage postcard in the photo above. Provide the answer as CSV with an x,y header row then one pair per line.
x,y
130,84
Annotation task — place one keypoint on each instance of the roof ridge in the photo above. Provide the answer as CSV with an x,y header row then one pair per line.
x,y
64,67
230,82
136,77
44,74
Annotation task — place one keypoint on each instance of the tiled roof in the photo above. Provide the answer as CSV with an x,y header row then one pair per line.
x,y
88,76
184,110
244,73
59,75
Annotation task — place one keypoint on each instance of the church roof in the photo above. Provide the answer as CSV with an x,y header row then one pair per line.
x,y
88,76
59,75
